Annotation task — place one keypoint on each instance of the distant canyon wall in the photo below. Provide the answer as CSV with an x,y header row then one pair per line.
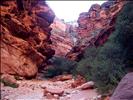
x,y
62,41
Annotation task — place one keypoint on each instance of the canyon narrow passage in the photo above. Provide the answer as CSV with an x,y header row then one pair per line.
x,y
62,50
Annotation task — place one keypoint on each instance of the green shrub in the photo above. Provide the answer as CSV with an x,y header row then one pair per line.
x,y
60,66
124,28
52,71
84,66
107,64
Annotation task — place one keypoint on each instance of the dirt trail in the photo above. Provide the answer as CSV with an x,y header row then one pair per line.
x,y
34,90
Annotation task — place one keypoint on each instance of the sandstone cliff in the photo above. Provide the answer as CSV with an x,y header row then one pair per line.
x,y
62,41
95,26
25,36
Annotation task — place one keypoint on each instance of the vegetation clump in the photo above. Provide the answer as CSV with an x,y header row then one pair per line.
x,y
60,66
106,65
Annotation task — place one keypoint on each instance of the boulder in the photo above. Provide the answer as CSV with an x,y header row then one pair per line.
x,y
54,91
124,90
87,85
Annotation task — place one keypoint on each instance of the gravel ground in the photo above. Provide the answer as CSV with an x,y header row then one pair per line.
x,y
34,90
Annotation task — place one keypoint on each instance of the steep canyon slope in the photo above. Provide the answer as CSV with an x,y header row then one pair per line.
x,y
95,26
27,42
25,36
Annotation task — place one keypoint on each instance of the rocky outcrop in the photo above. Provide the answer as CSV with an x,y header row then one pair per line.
x,y
62,42
95,26
124,90
99,20
25,33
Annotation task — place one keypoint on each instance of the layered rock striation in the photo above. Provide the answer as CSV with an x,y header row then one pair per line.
x,y
62,41
25,36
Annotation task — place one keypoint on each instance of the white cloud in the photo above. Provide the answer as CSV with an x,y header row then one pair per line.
x,y
70,10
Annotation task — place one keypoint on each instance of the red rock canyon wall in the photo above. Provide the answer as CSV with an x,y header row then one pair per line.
x,y
25,36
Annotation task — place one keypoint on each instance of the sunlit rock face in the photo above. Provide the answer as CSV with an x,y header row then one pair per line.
x,y
95,26
62,42
25,36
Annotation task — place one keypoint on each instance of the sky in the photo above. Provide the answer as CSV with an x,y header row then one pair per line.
x,y
70,10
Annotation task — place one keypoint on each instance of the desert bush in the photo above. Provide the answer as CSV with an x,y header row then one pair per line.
x,y
124,28
60,66
107,64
